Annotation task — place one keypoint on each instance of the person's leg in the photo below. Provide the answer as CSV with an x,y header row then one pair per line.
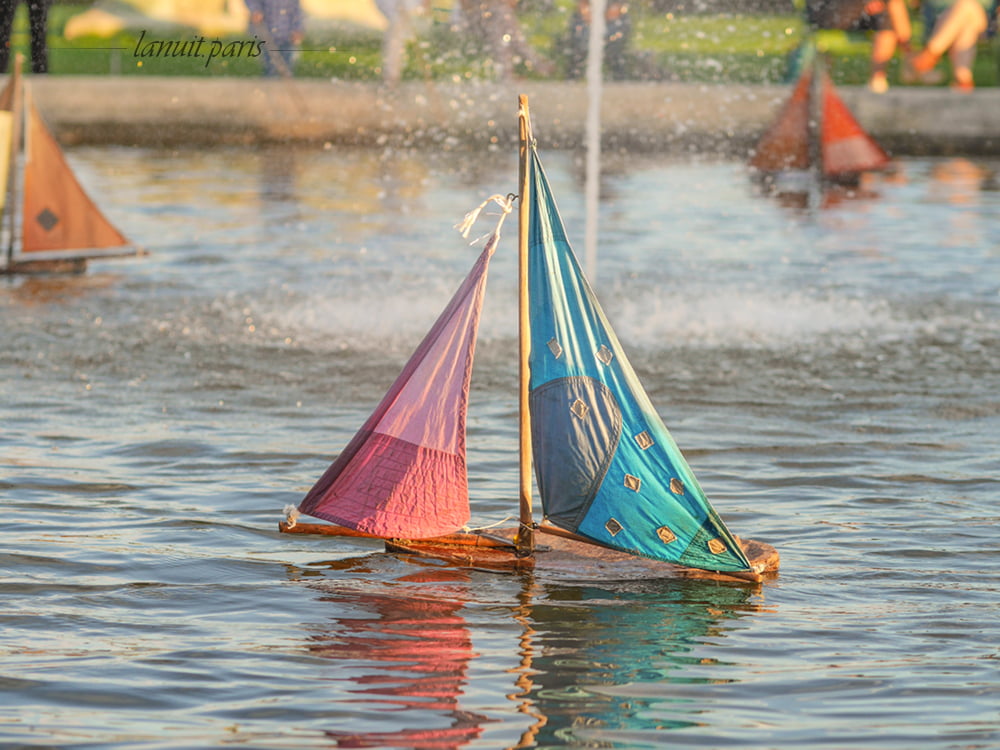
x,y
963,50
38,21
883,48
899,21
394,43
891,20
950,25
7,10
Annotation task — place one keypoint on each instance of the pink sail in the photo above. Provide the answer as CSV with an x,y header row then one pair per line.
x,y
404,473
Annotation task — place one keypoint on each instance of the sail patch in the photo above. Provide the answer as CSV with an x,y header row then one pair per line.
x,y
665,534
572,454
47,220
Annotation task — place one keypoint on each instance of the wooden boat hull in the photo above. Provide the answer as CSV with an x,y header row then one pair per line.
x,y
39,267
560,554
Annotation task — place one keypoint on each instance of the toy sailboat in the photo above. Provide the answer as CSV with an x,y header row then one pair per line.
x,y
60,226
614,487
816,132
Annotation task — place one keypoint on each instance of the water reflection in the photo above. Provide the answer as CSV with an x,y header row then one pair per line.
x,y
47,290
957,181
278,176
594,660
599,660
802,191
407,652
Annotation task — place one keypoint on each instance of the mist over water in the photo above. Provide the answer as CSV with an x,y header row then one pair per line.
x,y
830,371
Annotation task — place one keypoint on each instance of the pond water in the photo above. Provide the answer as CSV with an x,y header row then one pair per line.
x,y
832,372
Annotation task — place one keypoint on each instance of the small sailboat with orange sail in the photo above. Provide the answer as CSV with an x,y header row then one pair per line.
x,y
59,227
618,498
816,136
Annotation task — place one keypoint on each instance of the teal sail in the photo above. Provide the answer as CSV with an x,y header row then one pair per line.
x,y
606,466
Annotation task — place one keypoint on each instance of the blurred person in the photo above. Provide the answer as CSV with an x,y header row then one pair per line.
x,y
617,30
38,12
835,14
494,23
399,15
892,30
888,20
959,25
279,23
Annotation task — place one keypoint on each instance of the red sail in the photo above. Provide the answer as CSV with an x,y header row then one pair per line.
x,y
846,147
785,145
58,214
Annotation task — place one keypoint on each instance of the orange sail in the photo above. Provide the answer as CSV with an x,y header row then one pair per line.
x,y
58,214
785,145
846,148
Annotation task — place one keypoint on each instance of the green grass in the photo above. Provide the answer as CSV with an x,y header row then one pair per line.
x,y
699,48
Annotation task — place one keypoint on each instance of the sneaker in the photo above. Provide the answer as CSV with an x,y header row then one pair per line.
x,y
963,82
878,83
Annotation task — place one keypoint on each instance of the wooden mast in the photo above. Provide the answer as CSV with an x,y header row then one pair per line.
x,y
524,541
16,126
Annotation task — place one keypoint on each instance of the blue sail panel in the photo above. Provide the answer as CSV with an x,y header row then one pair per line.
x,y
606,465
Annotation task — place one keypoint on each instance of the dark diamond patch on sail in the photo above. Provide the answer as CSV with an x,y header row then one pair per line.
x,y
613,526
47,220
579,409
677,486
555,348
605,355
633,483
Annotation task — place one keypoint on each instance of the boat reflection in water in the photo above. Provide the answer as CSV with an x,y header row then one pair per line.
x,y
408,652
617,663
596,661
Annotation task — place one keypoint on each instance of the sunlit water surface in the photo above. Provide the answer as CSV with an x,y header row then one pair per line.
x,y
832,372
